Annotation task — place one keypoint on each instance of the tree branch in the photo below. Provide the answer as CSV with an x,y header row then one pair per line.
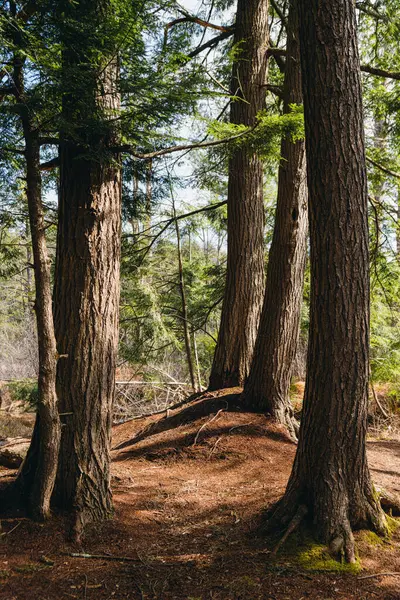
x,y
382,168
279,53
211,43
380,72
130,150
277,90
370,10
50,164
279,12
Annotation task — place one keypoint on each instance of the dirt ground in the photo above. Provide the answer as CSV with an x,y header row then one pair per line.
x,y
189,492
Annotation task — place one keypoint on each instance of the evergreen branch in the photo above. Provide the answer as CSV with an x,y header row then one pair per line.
x,y
191,19
382,168
167,223
368,9
193,146
279,53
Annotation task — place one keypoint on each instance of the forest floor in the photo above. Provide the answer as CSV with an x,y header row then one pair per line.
x,y
189,491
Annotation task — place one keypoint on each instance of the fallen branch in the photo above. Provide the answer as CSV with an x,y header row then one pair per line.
x,y
379,405
205,425
102,557
293,525
394,574
11,530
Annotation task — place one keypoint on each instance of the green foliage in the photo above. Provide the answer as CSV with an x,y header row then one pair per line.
x,y
25,391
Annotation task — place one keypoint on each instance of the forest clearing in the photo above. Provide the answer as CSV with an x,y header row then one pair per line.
x,y
188,503
199,299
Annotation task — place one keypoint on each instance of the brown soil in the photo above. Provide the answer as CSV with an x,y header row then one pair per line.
x,y
188,500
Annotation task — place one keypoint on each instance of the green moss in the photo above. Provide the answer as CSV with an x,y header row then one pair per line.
x,y
304,552
393,524
372,539
316,557
4,574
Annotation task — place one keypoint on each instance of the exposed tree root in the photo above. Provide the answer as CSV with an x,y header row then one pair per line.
x,y
336,529
389,502
293,525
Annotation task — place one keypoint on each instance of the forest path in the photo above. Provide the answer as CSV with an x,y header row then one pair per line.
x,y
188,503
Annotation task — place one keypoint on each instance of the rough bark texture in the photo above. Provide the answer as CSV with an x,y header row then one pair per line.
x,y
87,273
267,387
244,288
330,474
36,479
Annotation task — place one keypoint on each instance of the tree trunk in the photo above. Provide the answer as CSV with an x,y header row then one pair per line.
x,y
184,311
267,387
87,270
244,287
36,479
330,475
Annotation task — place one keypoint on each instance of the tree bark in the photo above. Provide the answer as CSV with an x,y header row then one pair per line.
x,y
87,270
36,479
244,287
330,474
267,387
184,311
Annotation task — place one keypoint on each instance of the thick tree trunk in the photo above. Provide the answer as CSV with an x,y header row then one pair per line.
x,y
244,288
267,387
36,479
87,272
330,475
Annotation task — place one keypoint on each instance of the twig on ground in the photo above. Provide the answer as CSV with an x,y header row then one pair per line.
x,y
11,530
394,574
293,525
213,448
102,557
205,425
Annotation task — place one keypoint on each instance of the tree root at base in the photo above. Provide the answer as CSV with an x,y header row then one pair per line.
x,y
389,502
293,525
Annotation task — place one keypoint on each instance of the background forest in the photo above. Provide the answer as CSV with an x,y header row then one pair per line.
x,y
187,99
199,263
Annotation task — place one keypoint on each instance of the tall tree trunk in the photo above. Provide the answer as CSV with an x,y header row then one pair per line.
x,y
398,225
330,475
36,479
267,387
87,271
184,311
244,287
